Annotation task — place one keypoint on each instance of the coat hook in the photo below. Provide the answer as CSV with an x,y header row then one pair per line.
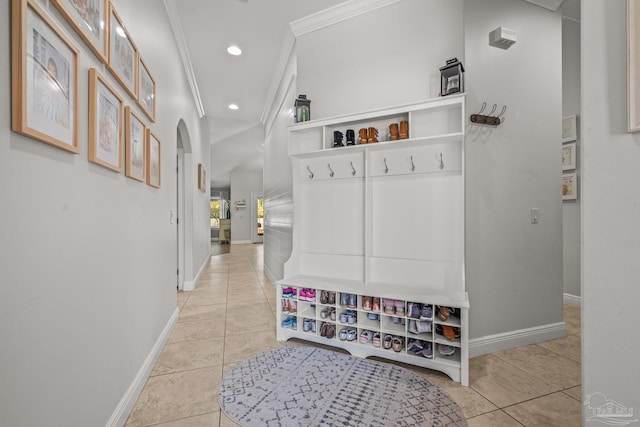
x,y
386,168
330,170
441,162
310,173
413,167
474,117
353,170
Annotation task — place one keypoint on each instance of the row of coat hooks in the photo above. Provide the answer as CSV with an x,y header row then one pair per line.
x,y
489,119
386,167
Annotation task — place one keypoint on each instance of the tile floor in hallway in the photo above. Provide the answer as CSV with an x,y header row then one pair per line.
x,y
231,315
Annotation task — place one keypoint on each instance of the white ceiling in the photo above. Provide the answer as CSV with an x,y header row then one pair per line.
x,y
259,28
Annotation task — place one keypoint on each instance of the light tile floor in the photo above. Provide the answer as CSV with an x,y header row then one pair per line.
x,y
231,315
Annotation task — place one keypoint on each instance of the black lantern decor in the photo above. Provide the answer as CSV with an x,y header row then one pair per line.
x,y
302,109
452,77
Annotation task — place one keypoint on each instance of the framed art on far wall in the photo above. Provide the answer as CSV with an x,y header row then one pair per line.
x,y
123,54
44,85
134,146
153,159
89,19
570,186
146,90
569,129
202,178
633,65
569,156
105,123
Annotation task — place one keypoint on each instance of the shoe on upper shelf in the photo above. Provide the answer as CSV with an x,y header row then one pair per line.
x,y
426,313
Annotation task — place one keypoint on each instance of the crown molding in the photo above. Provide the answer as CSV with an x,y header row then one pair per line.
x,y
547,4
279,74
183,49
338,13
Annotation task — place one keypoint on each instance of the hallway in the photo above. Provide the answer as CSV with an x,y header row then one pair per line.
x,y
231,315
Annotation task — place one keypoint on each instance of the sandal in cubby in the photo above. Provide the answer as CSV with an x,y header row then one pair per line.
x,y
352,334
448,332
398,344
375,305
387,342
366,303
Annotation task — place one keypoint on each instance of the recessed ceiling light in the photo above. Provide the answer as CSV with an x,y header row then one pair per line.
x,y
233,106
234,50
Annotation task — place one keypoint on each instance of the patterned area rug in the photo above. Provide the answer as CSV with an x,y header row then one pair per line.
x,y
304,386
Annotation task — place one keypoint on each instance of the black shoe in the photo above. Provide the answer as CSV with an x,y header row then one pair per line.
x,y
351,137
337,139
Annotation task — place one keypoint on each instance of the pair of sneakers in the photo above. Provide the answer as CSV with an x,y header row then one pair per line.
x,y
348,300
419,311
420,326
289,292
421,348
309,325
307,294
348,334
290,322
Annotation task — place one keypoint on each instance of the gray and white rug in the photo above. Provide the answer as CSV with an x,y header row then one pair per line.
x,y
305,386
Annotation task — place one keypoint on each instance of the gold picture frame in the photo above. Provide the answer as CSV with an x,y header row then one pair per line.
x,y
105,123
202,178
89,19
153,159
146,89
633,65
135,146
44,66
123,53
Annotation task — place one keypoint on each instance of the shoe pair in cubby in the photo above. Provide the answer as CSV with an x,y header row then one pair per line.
x,y
420,348
289,305
327,297
394,342
416,310
370,303
393,306
348,300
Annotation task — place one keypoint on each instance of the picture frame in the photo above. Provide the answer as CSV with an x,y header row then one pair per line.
x,y
569,129
153,159
202,178
569,156
633,65
44,86
570,186
88,18
105,123
123,53
146,89
135,146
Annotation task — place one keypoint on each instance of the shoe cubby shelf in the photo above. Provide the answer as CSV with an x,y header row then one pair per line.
x,y
386,220
354,327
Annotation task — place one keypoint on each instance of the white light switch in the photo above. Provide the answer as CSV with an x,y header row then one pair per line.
x,y
534,216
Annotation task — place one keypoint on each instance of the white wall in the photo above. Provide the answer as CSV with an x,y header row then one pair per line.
x,y
571,106
514,268
610,211
386,57
88,256
243,183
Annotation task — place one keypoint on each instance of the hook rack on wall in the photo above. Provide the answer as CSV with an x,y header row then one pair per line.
x,y
489,119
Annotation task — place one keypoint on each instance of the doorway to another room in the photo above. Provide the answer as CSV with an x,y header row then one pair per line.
x,y
257,215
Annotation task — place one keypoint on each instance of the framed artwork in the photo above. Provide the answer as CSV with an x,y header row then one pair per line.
x,y
633,66
134,146
146,91
153,160
569,130
88,18
569,156
123,54
44,87
570,186
202,178
105,123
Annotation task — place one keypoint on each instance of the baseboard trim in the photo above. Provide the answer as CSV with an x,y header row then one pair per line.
x,y
573,300
241,242
188,286
124,408
517,338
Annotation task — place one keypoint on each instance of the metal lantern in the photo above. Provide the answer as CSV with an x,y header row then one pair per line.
x,y
452,77
302,109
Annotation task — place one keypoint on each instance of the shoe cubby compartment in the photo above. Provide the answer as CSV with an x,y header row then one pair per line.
x,y
409,258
